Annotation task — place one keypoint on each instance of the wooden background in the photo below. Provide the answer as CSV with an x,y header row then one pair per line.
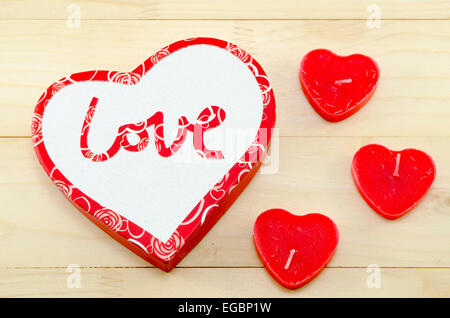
x,y
41,233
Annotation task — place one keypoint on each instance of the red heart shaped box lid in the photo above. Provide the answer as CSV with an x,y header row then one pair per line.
x,y
337,86
192,223
294,248
388,192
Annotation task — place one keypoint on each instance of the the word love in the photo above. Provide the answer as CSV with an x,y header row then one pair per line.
x,y
209,117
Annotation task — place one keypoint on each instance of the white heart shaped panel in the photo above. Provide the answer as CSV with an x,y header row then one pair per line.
x,y
155,192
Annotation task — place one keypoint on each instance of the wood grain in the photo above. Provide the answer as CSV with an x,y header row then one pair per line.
x,y
220,282
411,100
230,9
313,176
41,232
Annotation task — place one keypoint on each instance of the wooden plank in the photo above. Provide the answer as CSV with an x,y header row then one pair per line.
x,y
412,98
41,232
220,282
39,227
231,9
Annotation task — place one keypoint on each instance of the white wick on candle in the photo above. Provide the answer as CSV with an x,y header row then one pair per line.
x,y
343,81
291,255
397,166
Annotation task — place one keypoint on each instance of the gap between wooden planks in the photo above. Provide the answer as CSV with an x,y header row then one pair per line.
x,y
411,100
313,176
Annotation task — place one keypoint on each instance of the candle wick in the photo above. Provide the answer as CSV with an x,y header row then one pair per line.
x,y
343,81
291,255
397,166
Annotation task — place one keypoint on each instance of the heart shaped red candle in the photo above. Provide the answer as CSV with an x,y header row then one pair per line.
x,y
392,182
337,86
294,249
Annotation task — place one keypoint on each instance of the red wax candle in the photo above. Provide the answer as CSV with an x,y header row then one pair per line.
x,y
294,249
392,182
337,86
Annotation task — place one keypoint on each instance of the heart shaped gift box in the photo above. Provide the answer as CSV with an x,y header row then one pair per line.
x,y
155,156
